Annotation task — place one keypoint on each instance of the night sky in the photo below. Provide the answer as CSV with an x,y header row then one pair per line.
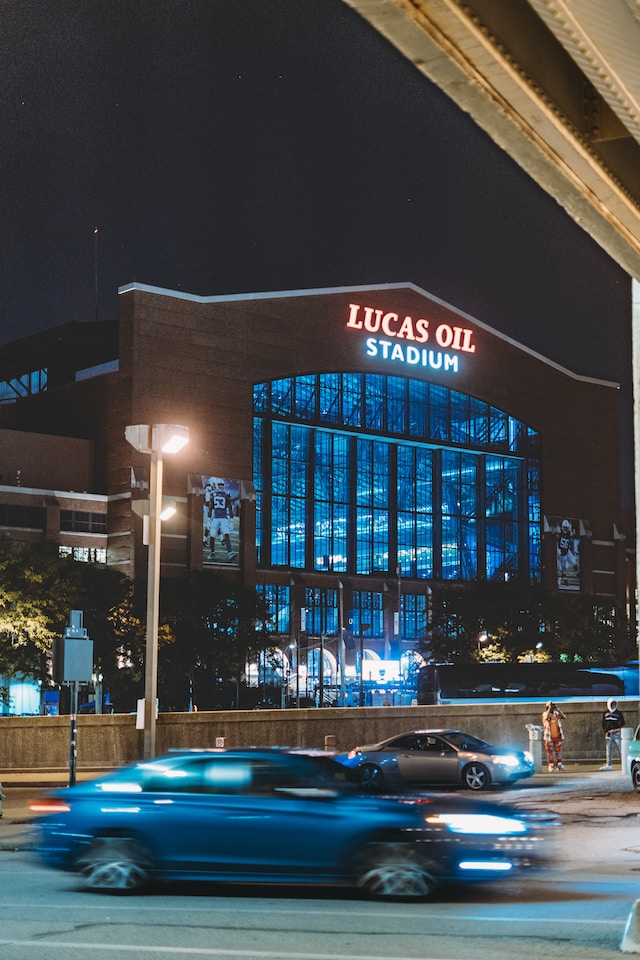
x,y
231,146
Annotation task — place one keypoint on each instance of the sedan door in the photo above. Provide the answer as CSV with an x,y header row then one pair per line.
x,y
251,820
435,762
188,816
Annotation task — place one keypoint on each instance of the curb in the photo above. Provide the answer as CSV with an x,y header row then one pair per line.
x,y
14,844
19,837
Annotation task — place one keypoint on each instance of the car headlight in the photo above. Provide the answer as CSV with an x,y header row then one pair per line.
x,y
506,759
478,823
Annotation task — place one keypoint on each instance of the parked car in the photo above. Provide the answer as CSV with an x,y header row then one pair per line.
x,y
436,757
274,816
634,759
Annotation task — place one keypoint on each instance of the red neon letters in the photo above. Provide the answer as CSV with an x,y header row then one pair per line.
x,y
372,320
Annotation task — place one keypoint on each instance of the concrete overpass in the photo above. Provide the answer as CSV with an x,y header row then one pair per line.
x,y
556,84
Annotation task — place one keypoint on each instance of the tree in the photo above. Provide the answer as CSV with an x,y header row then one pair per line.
x,y
35,586
519,620
115,624
589,628
208,627
216,627
506,618
39,588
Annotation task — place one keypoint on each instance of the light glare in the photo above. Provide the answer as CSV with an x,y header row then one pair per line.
x,y
485,865
174,443
478,823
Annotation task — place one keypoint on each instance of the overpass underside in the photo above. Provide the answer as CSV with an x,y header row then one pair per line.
x,y
555,83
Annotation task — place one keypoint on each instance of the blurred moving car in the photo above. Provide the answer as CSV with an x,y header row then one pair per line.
x,y
436,757
274,816
634,759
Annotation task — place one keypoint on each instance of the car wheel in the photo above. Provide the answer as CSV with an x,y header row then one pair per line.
x,y
393,871
115,863
635,777
371,778
476,776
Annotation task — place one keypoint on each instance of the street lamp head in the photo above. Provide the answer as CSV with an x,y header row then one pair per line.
x,y
160,437
139,436
169,437
168,510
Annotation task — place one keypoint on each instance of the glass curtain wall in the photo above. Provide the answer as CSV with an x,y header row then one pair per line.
x,y
369,474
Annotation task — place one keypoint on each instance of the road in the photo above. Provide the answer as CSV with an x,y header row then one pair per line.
x,y
577,910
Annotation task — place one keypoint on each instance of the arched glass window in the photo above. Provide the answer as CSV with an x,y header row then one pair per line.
x,y
365,473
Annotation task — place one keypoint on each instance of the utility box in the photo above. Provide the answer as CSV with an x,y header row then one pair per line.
x,y
73,653
535,745
626,736
535,732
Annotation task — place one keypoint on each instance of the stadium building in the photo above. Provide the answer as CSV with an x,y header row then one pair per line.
x,y
350,448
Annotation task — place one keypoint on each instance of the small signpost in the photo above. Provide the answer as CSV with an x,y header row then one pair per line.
x,y
73,664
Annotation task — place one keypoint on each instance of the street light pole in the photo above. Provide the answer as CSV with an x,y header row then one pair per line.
x,y
363,627
156,440
341,646
153,604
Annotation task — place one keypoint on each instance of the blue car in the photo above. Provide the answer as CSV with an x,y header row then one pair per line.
x,y
273,816
436,757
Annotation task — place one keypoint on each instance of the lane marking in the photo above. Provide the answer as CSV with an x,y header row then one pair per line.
x,y
204,951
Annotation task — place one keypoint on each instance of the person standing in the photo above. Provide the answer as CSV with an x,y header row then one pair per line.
x,y
553,735
612,724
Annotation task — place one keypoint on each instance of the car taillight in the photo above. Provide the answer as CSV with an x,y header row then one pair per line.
x,y
49,805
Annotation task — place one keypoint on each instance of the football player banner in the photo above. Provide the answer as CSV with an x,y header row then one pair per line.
x,y
221,521
567,552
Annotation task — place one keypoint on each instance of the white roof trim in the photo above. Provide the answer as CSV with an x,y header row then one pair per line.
x,y
318,292
57,494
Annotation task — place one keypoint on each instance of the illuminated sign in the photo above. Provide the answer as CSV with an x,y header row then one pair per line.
x,y
403,338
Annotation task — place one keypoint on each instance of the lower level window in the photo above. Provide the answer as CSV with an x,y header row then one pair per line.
x,y
85,554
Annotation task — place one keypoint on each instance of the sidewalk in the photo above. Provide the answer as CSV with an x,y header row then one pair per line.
x,y
47,777
20,787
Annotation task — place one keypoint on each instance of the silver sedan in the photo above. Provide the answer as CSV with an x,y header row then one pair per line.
x,y
445,757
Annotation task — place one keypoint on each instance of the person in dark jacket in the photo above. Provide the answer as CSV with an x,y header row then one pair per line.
x,y
612,724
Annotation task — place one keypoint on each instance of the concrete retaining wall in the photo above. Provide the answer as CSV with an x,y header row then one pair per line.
x,y
112,740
